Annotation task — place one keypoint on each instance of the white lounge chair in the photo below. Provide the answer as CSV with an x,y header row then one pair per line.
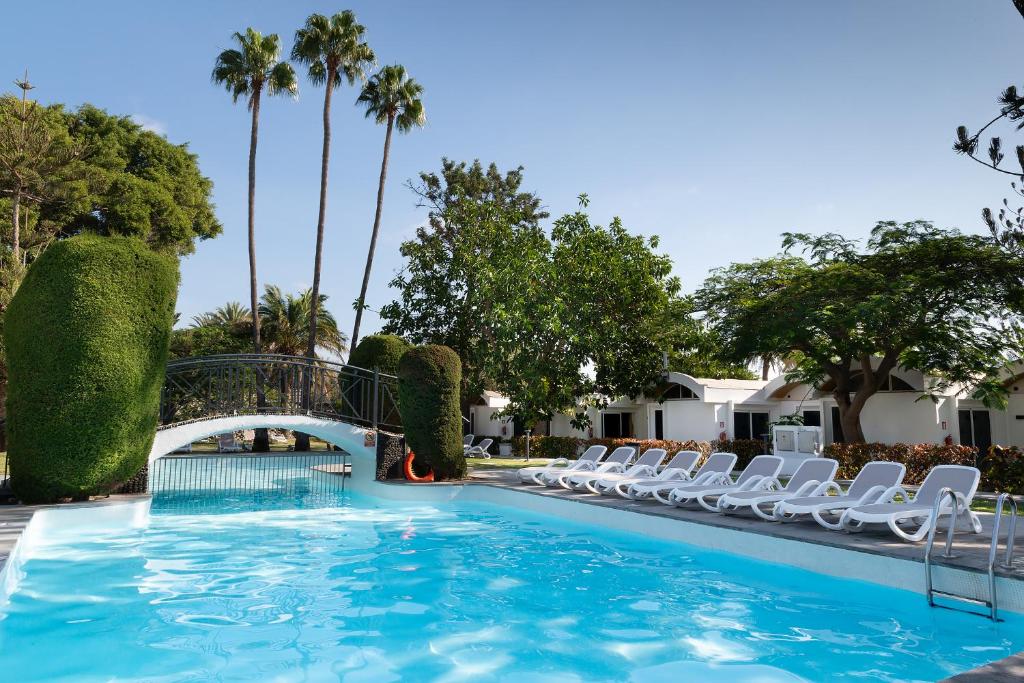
x,y
963,480
618,461
812,478
761,471
716,468
467,442
678,469
872,480
480,450
645,466
226,443
588,461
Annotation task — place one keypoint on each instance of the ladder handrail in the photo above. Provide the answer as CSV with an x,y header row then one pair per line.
x,y
944,493
993,550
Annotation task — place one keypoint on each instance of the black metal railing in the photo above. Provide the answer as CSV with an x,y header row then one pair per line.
x,y
234,384
240,482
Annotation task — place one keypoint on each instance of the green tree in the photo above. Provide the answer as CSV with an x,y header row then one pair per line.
x,y
232,315
391,98
475,215
247,72
37,157
917,297
334,51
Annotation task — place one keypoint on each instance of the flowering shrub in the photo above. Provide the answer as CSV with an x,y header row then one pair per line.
x,y
918,458
1002,470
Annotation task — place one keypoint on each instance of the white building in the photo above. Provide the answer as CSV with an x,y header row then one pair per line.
x,y
709,409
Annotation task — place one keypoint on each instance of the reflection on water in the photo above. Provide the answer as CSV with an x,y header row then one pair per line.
x,y
268,589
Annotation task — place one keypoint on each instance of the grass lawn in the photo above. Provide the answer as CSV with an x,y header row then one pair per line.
x,y
503,463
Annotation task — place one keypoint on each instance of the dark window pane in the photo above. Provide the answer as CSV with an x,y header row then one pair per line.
x,y
812,418
759,425
627,425
966,429
742,421
982,431
837,426
611,426
659,424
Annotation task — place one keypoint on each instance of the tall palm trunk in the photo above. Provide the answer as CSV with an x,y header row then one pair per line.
x,y
261,439
302,440
376,229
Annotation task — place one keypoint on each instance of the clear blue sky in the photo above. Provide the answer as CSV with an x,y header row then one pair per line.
x,y
716,125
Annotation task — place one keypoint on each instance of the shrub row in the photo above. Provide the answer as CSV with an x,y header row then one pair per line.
x,y
1002,469
918,458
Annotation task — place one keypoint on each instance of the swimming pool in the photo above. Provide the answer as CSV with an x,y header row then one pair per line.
x,y
375,590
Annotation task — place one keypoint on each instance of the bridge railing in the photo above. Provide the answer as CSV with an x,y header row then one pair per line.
x,y
236,384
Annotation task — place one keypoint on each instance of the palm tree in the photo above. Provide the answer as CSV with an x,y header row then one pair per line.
x,y
248,72
285,321
333,50
232,314
391,97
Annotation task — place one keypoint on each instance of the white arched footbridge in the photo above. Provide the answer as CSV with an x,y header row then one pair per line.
x,y
339,404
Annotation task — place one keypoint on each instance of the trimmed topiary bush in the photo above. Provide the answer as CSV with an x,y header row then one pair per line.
x,y
428,390
87,337
380,351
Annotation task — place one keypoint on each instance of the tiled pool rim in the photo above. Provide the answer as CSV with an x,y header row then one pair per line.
x,y
706,530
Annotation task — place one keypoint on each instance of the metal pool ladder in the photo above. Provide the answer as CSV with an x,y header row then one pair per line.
x,y
992,603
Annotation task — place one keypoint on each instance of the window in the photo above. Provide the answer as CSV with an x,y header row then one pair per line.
x,y
677,392
976,429
890,383
616,425
812,418
749,425
837,427
659,424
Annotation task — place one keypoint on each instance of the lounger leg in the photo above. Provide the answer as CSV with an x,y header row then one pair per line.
x,y
767,516
819,517
710,507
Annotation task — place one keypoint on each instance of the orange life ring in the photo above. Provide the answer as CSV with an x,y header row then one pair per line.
x,y
412,476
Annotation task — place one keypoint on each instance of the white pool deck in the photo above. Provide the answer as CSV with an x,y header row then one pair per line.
x,y
871,555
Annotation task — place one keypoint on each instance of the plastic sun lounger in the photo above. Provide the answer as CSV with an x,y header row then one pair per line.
x,y
618,461
872,480
678,469
812,477
480,450
717,467
467,441
645,466
762,471
963,480
537,473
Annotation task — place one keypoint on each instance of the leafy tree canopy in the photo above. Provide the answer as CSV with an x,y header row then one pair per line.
x,y
914,296
545,320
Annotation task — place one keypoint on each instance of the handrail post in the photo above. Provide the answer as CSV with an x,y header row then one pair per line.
x,y
376,397
528,432
931,538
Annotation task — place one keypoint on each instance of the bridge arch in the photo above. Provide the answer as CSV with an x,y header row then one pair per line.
x,y
348,436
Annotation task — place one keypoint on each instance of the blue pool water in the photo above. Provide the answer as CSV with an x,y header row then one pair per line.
x,y
373,590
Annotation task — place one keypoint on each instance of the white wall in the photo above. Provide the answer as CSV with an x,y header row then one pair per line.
x,y
483,425
690,420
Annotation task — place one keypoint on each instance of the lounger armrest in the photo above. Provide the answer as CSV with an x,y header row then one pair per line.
x,y
713,479
559,461
890,494
872,495
809,488
756,483
770,484
611,467
674,474
644,470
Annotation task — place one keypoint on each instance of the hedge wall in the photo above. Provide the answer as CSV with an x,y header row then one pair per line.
x,y
918,458
87,337
1002,470
428,390
381,351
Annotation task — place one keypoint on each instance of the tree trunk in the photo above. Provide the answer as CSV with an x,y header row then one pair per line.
x,y
849,418
766,366
261,440
376,230
16,218
318,254
301,441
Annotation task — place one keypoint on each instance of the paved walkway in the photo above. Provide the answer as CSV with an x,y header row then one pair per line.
x,y
972,549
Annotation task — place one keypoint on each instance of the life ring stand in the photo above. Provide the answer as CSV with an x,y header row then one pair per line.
x,y
411,475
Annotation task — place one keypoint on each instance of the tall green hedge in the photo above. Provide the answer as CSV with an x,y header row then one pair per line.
x,y
428,390
87,337
380,351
